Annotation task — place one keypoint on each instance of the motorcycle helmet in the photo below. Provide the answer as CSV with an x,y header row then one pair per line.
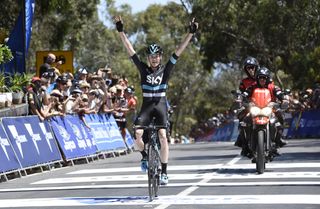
x,y
250,61
154,49
263,72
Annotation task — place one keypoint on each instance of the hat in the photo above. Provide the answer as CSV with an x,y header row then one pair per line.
x,y
129,90
62,79
119,87
84,84
76,91
94,92
113,89
83,71
34,79
108,82
84,97
56,93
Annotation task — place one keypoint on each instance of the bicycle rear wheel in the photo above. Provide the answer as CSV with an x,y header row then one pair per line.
x,y
153,174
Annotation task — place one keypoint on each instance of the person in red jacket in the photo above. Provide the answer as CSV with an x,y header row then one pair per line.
x,y
250,66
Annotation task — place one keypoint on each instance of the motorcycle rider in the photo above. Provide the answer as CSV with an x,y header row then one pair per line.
x,y
264,80
250,66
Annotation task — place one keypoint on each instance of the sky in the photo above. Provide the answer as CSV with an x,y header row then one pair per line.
x,y
136,5
140,5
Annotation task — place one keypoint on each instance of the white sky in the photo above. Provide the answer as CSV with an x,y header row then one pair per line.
x,y
136,5
140,5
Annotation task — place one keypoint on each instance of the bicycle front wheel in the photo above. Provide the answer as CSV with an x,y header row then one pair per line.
x,y
153,174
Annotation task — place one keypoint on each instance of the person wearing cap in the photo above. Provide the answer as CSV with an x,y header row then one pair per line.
x,y
120,108
35,99
62,84
85,87
75,95
82,75
56,103
132,104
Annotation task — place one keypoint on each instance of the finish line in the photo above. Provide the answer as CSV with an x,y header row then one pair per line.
x,y
171,200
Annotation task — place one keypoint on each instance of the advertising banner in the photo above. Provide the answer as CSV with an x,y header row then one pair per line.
x,y
129,139
228,132
305,125
8,159
72,136
31,140
105,132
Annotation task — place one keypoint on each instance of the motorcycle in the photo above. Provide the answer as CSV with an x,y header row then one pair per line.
x,y
259,125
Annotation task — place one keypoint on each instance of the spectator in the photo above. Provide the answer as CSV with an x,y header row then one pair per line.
x,y
82,75
35,100
120,109
48,65
72,99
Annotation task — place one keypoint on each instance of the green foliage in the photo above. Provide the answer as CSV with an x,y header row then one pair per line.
x,y
5,54
19,81
284,36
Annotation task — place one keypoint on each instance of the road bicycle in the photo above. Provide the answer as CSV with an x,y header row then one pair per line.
x,y
154,162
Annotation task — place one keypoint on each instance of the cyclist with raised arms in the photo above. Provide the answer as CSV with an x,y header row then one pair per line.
x,y
154,84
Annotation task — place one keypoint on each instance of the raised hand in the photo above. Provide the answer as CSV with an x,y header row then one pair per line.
x,y
119,23
193,26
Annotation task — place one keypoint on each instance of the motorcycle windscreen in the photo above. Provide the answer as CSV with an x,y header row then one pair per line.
x,y
261,97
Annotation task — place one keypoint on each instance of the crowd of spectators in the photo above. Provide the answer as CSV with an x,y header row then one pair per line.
x,y
53,93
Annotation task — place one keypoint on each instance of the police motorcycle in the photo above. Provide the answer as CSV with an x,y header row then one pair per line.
x,y
259,125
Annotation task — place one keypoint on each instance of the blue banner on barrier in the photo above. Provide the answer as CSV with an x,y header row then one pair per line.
x,y
129,139
305,125
31,140
105,132
8,159
228,132
73,137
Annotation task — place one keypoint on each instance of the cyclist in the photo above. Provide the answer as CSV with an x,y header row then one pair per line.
x,y
154,82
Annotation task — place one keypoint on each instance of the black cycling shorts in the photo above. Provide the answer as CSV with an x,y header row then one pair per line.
x,y
151,109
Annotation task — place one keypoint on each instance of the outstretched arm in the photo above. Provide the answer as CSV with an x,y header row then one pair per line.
x,y
193,26
124,38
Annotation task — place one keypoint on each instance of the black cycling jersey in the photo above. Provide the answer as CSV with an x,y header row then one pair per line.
x,y
154,85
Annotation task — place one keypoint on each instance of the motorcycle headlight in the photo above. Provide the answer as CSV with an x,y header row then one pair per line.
x,y
254,111
266,111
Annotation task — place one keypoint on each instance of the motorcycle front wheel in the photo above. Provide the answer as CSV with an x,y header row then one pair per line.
x,y
260,160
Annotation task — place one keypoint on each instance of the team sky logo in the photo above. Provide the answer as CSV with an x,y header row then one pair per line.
x,y
154,80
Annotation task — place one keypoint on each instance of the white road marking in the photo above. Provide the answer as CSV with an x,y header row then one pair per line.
x,y
209,176
167,200
194,188
145,185
229,165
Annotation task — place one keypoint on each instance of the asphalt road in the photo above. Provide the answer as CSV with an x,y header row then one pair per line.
x,y
203,175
